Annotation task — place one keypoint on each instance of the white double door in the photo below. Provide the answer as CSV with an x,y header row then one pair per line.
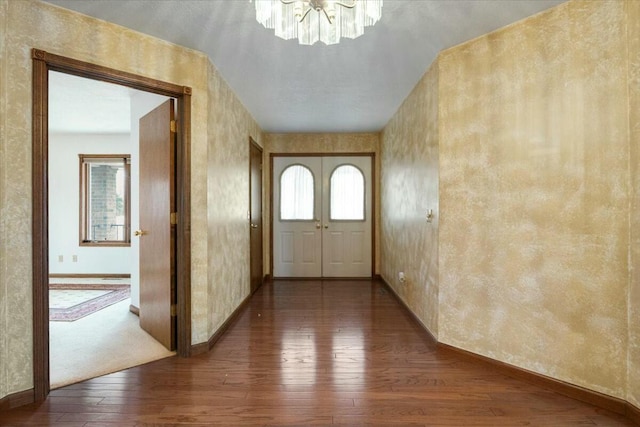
x,y
322,216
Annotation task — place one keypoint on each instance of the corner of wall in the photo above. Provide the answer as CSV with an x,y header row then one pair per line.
x,y
229,126
633,298
4,5
15,206
409,191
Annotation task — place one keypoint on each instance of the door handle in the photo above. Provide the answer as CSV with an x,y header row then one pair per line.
x,y
317,225
254,225
139,233
326,226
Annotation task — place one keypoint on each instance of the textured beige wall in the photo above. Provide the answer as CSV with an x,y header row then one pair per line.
x,y
409,187
534,186
320,143
633,22
31,24
534,199
230,126
8,333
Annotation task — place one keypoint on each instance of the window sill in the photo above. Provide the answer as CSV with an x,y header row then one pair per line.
x,y
99,243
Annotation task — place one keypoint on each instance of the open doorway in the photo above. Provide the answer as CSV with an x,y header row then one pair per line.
x,y
43,63
94,286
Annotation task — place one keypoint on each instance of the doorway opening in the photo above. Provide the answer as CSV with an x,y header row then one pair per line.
x,y
94,269
43,63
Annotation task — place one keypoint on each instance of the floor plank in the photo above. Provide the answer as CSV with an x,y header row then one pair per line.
x,y
337,353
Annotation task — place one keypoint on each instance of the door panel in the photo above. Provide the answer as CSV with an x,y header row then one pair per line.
x,y
297,244
157,241
359,244
335,244
323,247
348,253
287,247
309,250
255,216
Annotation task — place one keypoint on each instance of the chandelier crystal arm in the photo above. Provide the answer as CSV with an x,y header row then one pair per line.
x,y
348,6
304,15
339,3
325,14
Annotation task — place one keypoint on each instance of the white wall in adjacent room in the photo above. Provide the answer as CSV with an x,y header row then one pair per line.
x,y
64,209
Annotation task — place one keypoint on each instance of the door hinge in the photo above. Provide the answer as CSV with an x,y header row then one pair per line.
x,y
174,218
173,125
174,310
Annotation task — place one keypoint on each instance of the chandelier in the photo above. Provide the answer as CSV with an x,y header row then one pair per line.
x,y
318,20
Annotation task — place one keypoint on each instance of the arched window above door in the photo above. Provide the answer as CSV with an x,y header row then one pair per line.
x,y
296,194
347,194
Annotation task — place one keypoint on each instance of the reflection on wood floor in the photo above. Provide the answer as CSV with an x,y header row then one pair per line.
x,y
314,353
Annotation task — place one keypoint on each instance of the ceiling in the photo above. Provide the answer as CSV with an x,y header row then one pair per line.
x,y
78,105
354,86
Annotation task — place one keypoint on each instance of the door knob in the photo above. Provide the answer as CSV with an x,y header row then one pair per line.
x,y
326,226
254,225
139,233
317,225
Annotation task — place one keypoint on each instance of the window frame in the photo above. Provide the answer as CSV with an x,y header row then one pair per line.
x,y
364,195
83,221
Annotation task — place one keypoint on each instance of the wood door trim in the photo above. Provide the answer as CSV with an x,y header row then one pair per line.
x,y
315,154
40,225
43,62
254,144
319,154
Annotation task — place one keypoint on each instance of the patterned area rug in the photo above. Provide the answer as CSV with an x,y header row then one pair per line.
x,y
70,302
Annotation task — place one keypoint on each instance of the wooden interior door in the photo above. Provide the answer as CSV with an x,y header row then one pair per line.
x,y
157,233
255,215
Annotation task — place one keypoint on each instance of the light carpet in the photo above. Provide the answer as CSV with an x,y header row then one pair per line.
x,y
107,341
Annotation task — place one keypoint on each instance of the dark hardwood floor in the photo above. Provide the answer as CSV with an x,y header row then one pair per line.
x,y
314,353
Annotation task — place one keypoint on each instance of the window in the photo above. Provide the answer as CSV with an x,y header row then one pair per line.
x,y
105,214
347,194
296,193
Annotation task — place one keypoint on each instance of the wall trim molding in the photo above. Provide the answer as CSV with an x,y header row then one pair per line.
x,y
410,312
89,276
135,310
633,413
582,394
206,346
14,400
